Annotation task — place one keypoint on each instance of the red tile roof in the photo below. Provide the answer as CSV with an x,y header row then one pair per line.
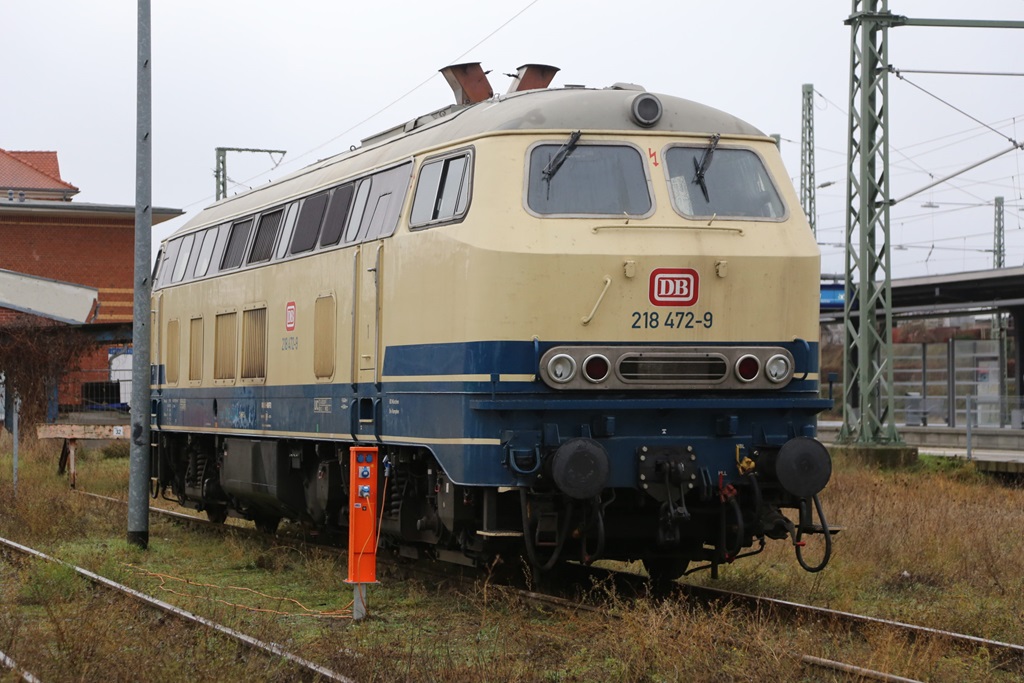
x,y
32,171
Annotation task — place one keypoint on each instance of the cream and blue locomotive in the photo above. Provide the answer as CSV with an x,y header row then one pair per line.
x,y
577,323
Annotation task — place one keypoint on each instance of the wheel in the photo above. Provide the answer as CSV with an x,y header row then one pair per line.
x,y
217,513
664,570
267,525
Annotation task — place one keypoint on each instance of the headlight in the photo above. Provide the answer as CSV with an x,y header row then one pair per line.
x,y
778,368
646,109
562,368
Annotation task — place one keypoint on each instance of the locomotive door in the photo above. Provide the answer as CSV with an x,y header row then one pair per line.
x,y
366,331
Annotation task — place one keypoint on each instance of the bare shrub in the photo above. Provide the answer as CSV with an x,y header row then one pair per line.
x,y
35,354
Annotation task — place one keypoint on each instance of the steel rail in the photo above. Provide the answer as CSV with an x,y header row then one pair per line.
x,y
858,671
1016,651
13,666
268,648
708,593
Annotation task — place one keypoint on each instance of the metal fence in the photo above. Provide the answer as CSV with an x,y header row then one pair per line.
x,y
980,409
933,383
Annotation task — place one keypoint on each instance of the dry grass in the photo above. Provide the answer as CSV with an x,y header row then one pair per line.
x,y
936,546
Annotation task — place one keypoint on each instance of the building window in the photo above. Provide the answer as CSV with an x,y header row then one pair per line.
x,y
324,324
173,352
225,330
442,192
254,343
195,350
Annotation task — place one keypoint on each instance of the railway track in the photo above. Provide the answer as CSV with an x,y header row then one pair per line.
x,y
1008,656
309,669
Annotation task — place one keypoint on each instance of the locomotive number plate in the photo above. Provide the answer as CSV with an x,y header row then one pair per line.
x,y
681,320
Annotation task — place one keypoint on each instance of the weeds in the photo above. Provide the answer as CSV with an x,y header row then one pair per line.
x,y
936,546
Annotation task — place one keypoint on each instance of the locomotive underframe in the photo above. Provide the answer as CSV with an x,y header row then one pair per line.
x,y
682,507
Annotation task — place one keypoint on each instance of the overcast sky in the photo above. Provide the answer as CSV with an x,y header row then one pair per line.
x,y
313,77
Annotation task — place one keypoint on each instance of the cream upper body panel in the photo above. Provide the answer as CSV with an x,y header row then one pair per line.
x,y
506,272
513,275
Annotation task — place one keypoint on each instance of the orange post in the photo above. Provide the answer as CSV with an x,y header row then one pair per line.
x,y
362,519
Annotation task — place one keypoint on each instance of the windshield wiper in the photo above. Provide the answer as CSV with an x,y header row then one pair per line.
x,y
560,156
701,167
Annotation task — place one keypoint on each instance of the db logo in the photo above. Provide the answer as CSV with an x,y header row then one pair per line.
x,y
289,316
674,286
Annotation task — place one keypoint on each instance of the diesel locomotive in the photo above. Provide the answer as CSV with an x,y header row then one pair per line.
x,y
577,323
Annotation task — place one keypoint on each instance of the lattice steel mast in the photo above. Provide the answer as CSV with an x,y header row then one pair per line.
x,y
807,187
868,399
868,405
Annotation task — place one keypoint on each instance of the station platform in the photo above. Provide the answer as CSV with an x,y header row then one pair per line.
x,y
991,449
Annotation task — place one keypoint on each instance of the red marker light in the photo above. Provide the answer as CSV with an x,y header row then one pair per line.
x,y
747,368
596,368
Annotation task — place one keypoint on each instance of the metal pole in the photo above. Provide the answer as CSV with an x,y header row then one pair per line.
x,y
969,423
951,383
359,602
14,433
138,480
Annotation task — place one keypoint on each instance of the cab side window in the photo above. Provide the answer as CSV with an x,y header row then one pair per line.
x,y
443,189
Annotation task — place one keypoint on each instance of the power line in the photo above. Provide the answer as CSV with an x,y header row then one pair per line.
x,y
896,72
385,107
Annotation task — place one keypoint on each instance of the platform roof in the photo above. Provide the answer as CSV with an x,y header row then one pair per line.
x,y
954,293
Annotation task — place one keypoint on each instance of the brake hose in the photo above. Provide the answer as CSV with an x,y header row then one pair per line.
x,y
824,530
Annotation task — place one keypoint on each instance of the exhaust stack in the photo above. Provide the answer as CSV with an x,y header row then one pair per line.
x,y
468,82
533,77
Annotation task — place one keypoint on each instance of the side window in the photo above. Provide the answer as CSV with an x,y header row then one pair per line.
x,y
266,233
378,203
356,216
341,201
206,252
308,227
378,217
182,259
170,254
236,244
286,232
442,193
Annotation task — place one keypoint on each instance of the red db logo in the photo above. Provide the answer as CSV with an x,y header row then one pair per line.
x,y
674,286
289,316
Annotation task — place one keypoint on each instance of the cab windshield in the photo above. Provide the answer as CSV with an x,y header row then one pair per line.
x,y
733,183
604,180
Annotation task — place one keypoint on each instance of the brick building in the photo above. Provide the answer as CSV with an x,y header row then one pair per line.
x,y
45,235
